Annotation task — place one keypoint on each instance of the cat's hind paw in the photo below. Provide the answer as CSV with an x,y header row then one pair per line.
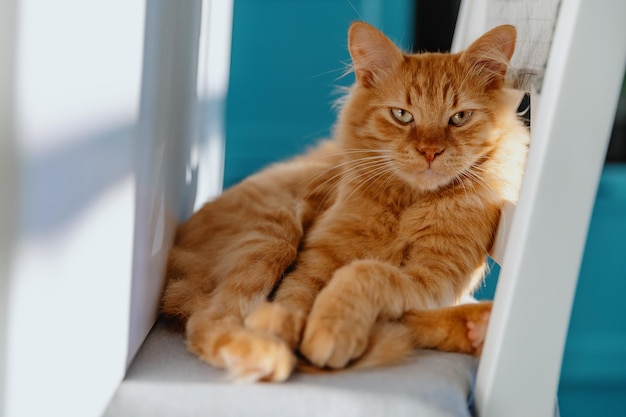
x,y
477,331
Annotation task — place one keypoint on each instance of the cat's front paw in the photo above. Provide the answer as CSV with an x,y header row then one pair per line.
x,y
251,357
275,319
333,341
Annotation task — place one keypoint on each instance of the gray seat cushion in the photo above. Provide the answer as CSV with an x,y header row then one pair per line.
x,y
166,380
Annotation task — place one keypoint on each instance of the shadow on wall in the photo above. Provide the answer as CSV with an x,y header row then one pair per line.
x,y
59,184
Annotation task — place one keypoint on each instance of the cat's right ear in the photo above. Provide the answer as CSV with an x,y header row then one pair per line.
x,y
374,56
491,53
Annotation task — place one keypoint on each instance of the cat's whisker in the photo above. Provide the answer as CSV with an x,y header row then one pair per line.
x,y
329,169
364,171
369,178
363,164
328,72
333,182
458,179
308,192
477,179
345,169
479,171
315,134
473,176
375,175
382,187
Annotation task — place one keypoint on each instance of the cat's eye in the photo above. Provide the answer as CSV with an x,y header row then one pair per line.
x,y
460,118
402,116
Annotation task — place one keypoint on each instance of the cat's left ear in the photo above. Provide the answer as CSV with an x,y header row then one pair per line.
x,y
492,52
374,56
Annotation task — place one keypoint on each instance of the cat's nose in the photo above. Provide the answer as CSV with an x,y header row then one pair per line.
x,y
430,152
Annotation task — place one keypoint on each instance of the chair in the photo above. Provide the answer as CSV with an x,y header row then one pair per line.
x,y
573,105
539,244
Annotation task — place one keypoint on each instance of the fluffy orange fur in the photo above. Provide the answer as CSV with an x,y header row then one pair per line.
x,y
356,253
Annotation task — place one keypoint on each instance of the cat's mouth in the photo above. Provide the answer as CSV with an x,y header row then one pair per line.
x,y
427,179
433,175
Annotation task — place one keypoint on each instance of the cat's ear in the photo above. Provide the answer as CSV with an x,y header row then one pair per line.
x,y
491,53
374,56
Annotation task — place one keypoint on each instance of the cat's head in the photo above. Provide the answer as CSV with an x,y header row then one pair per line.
x,y
432,116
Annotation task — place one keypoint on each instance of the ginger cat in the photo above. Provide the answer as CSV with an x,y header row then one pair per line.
x,y
357,252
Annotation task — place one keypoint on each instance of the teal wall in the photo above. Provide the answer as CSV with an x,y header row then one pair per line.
x,y
593,378
287,58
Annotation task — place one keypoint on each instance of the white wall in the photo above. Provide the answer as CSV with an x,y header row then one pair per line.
x,y
7,171
76,102
108,117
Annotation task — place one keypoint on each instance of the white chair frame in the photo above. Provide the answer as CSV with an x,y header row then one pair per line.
x,y
540,250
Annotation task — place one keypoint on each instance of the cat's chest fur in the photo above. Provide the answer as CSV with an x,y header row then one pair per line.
x,y
391,232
